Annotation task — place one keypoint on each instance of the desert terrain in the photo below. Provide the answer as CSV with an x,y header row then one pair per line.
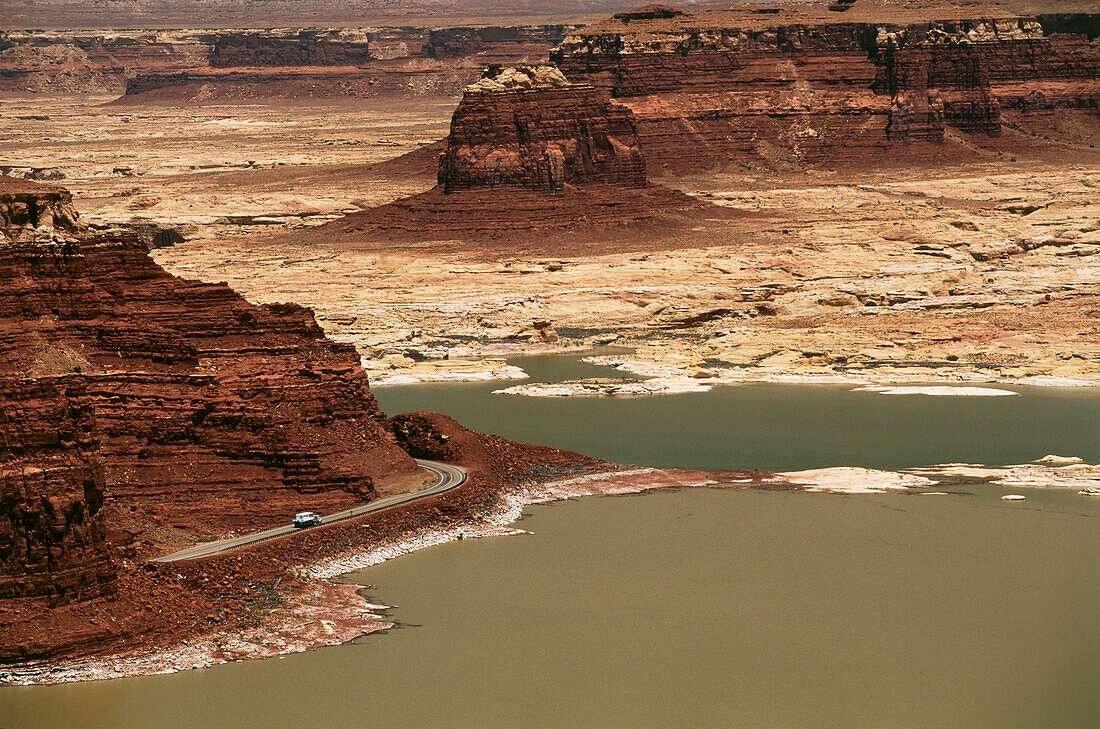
x,y
909,270
218,239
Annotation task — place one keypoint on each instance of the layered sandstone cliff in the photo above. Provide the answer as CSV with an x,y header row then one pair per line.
x,y
270,63
528,126
794,87
210,413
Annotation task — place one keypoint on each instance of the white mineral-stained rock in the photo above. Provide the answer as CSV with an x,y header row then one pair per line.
x,y
958,470
449,370
936,391
601,387
1055,382
850,480
1062,473
1058,460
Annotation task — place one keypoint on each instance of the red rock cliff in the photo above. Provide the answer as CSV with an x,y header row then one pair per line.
x,y
528,126
52,534
791,86
211,413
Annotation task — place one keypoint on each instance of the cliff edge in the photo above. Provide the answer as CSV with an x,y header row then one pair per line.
x,y
878,83
529,126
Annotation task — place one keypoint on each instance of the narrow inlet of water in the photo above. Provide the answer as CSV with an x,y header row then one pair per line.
x,y
771,427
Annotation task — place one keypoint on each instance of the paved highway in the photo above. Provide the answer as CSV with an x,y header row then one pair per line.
x,y
449,477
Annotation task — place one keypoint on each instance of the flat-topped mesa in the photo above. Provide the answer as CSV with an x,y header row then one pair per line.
x,y
529,126
802,84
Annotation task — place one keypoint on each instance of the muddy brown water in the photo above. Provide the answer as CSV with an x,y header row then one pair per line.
x,y
706,608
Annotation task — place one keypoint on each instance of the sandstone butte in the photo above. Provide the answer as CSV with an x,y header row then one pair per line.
x,y
530,149
140,412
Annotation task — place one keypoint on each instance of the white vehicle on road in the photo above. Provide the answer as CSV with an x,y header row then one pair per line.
x,y
304,519
448,478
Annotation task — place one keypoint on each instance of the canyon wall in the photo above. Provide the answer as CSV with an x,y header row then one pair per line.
x,y
52,535
42,61
274,63
710,87
209,413
528,126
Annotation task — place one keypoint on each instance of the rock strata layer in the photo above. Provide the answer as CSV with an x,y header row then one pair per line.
x,y
528,126
176,406
710,87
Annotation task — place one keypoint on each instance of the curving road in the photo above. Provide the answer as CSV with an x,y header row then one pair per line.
x,y
450,477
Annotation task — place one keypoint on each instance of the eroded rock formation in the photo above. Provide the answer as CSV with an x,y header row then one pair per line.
x,y
529,150
210,413
52,534
791,86
28,209
528,126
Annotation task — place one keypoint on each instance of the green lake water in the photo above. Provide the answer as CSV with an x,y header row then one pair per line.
x,y
771,426
705,607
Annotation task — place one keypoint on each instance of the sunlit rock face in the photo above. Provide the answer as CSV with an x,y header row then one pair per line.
x,y
528,126
790,87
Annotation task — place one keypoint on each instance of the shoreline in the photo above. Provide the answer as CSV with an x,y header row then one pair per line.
x,y
329,611
661,379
